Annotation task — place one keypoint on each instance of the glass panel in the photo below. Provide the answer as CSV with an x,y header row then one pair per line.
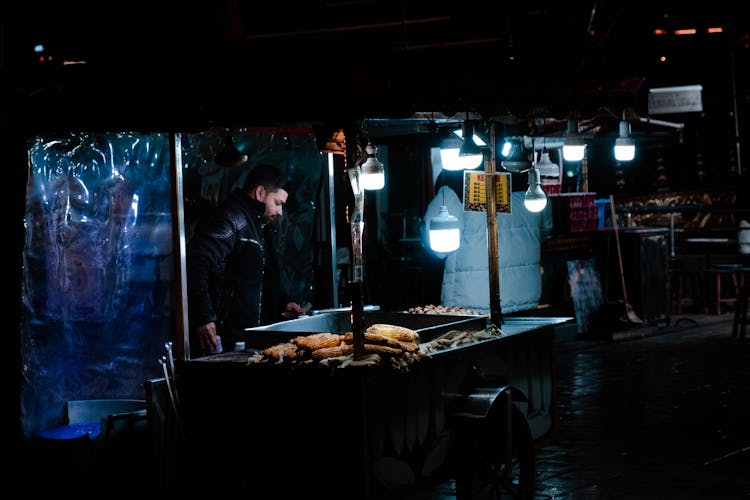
x,y
291,148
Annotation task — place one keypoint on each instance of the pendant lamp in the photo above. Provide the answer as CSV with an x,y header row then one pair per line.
x,y
459,153
549,173
516,160
574,148
373,172
624,145
469,149
535,199
444,233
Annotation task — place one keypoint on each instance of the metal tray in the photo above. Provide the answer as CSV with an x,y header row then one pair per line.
x,y
429,326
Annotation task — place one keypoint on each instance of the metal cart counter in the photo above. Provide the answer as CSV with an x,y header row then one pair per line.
x,y
291,431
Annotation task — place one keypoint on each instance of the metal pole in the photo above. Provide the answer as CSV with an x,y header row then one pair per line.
x,y
330,166
496,317
182,331
733,83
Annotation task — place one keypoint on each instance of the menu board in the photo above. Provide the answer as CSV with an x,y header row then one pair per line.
x,y
475,192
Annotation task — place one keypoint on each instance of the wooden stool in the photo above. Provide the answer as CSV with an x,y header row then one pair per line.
x,y
740,312
722,272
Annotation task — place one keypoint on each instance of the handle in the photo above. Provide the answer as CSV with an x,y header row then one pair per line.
x,y
619,252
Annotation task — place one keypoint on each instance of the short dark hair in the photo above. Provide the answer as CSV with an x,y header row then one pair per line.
x,y
268,176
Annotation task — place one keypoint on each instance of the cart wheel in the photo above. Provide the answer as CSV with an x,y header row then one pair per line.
x,y
482,472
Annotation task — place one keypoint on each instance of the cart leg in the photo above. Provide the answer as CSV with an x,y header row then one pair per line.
x,y
496,455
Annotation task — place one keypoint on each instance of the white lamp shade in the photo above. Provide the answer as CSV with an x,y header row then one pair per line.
x,y
574,152
445,236
373,181
573,148
624,145
372,175
546,167
624,152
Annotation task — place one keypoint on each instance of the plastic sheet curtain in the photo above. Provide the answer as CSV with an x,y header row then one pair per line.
x,y
98,260
97,275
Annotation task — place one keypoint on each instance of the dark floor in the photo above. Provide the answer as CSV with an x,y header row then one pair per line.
x,y
652,413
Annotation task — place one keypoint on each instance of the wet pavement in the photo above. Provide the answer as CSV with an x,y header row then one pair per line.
x,y
648,413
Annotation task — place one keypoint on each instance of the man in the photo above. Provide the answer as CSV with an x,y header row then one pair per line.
x,y
227,259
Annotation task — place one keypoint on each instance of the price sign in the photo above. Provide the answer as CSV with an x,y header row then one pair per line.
x,y
475,192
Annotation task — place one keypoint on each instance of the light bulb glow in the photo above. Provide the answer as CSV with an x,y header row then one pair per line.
x,y
535,199
505,150
574,148
624,145
444,234
451,160
624,152
373,181
574,152
444,240
372,176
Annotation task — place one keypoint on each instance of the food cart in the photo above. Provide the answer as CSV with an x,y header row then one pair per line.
x,y
291,430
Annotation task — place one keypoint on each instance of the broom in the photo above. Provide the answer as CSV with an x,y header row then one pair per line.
x,y
629,312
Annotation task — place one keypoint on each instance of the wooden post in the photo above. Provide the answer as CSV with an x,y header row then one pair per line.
x,y
493,268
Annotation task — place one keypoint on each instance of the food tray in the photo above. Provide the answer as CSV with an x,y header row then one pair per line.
x,y
429,326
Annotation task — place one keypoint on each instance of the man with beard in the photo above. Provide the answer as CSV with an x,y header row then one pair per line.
x,y
228,260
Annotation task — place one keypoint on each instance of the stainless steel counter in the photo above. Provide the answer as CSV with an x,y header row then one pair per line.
x,y
298,421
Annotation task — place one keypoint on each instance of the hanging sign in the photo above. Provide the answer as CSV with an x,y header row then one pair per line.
x,y
475,192
683,99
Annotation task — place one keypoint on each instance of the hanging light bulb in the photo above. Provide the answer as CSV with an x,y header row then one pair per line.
x,y
450,152
549,173
535,199
546,167
444,233
373,172
624,145
574,147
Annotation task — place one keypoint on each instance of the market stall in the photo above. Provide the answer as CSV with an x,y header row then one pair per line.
x,y
386,424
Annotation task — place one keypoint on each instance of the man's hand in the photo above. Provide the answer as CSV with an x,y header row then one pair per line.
x,y
292,310
207,335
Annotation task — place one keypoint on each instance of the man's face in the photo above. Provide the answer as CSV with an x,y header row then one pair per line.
x,y
274,201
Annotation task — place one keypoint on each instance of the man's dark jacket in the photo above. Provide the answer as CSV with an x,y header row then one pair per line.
x,y
225,265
